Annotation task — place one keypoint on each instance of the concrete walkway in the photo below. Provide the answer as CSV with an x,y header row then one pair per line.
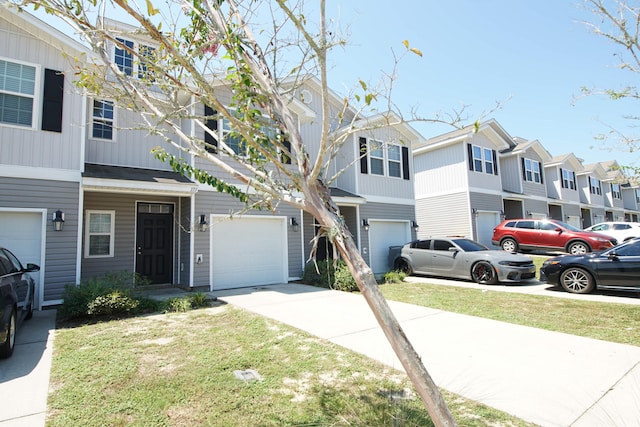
x,y
24,377
548,378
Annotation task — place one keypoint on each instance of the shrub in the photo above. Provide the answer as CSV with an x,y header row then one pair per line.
x,y
78,297
198,299
331,274
115,303
178,304
395,276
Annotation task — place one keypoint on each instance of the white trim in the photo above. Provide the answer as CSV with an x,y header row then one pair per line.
x,y
387,200
48,174
112,233
36,96
127,186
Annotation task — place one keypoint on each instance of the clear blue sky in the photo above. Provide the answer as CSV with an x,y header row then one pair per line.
x,y
537,54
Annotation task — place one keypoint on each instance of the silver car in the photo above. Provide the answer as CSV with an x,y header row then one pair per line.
x,y
462,258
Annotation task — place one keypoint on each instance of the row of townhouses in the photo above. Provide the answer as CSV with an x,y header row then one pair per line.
x,y
81,195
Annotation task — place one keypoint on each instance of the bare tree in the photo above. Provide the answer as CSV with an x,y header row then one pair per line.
x,y
619,22
260,52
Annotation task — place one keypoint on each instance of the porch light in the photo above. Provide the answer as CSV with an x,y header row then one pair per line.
x,y
415,226
365,224
294,224
474,211
203,223
58,220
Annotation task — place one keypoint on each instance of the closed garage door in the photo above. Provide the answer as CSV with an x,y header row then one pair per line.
x,y
486,222
21,233
248,251
383,234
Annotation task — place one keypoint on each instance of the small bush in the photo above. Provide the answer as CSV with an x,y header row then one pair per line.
x,y
395,276
331,274
115,303
178,304
78,297
198,300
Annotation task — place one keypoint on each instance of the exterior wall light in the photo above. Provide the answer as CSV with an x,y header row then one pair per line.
x,y
365,224
415,226
58,220
294,224
202,225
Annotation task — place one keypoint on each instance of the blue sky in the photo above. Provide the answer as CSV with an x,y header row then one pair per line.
x,y
535,54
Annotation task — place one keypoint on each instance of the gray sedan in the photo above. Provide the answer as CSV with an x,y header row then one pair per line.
x,y
462,258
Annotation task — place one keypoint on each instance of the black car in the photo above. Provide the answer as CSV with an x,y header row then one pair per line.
x,y
16,298
616,268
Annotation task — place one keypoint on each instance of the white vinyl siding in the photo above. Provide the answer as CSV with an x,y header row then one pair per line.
x,y
17,93
99,233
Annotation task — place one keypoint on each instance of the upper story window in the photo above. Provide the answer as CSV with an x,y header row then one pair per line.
x,y
382,159
385,159
103,117
568,179
482,159
17,93
594,186
637,191
615,191
129,63
532,171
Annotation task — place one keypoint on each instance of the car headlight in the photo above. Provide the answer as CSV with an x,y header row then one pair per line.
x,y
600,239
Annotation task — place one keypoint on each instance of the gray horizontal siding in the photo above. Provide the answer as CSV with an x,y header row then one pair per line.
x,y
60,247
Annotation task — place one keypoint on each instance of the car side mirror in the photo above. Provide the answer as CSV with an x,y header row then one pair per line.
x,y
613,256
453,249
559,230
31,268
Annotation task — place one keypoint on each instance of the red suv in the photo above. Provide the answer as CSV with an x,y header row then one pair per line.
x,y
548,234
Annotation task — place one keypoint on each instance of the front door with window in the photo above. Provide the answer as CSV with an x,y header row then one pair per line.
x,y
154,242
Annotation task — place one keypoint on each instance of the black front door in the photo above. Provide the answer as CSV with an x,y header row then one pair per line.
x,y
154,259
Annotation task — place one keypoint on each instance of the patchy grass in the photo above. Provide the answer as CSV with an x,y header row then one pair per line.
x,y
606,321
177,369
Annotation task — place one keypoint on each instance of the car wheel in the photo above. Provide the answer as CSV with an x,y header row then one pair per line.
x,y
6,348
578,248
577,281
403,265
482,272
509,245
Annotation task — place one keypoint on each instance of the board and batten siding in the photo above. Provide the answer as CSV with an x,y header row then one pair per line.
x,y
31,146
444,215
510,174
443,171
60,246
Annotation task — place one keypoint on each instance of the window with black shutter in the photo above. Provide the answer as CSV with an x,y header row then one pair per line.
x,y
211,122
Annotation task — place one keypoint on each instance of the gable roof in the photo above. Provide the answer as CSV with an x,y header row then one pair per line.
x,y
490,128
594,169
384,120
522,146
565,159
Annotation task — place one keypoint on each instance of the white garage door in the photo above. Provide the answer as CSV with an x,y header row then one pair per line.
x,y
248,251
383,234
21,233
485,223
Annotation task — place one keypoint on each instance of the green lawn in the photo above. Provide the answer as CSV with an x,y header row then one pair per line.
x,y
177,369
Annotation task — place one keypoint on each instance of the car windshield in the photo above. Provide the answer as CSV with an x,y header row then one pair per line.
x,y
469,245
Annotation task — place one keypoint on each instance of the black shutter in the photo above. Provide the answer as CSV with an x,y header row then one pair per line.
x,y
495,162
211,143
285,157
561,179
364,161
541,173
52,100
405,163
524,170
590,185
470,153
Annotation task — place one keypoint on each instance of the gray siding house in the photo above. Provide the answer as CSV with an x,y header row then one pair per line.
x,y
64,153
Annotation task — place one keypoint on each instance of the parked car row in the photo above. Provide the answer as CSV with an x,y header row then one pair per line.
x,y
17,290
